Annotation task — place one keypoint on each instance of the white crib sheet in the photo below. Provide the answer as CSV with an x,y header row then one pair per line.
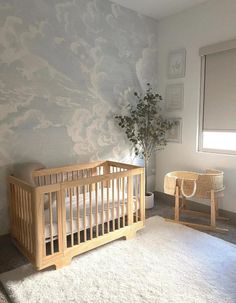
x,y
107,213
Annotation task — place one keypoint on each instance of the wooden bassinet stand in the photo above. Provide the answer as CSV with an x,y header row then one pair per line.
x,y
185,185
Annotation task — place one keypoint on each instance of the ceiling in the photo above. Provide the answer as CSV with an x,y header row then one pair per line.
x,y
158,8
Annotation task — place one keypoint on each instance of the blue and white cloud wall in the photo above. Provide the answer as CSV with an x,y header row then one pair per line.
x,y
65,68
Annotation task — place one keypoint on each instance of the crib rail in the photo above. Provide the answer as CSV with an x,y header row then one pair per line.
x,y
74,172
50,176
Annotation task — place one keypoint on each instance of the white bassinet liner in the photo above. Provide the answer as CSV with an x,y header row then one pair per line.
x,y
107,213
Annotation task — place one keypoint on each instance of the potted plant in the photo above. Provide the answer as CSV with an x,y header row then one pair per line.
x,y
145,127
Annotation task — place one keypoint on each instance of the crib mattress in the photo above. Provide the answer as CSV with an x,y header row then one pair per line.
x,y
120,209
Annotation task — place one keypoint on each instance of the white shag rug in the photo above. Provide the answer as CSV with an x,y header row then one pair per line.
x,y
165,263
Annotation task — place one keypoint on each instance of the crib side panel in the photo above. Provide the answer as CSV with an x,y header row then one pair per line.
x,y
101,205
22,216
49,227
86,210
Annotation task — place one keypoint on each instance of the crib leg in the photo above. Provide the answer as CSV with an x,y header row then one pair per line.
x,y
62,262
130,235
177,204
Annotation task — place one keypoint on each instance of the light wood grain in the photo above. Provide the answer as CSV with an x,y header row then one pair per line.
x,y
28,205
213,214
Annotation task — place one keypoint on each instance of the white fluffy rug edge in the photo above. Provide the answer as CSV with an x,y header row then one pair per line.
x,y
165,263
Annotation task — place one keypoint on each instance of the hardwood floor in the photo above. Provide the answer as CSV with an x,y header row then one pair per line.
x,y
11,258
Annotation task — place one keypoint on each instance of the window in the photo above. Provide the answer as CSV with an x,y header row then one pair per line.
x,y
217,129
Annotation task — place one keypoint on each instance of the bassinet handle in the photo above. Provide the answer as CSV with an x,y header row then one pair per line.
x,y
194,188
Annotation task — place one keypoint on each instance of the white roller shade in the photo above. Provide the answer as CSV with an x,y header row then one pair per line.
x,y
219,108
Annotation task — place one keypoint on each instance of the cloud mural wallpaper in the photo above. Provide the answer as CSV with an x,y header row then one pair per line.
x,y
65,68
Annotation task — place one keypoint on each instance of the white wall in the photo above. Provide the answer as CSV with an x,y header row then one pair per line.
x,y
208,23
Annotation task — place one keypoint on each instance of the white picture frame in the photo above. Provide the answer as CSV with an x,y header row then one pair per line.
x,y
175,133
176,63
174,97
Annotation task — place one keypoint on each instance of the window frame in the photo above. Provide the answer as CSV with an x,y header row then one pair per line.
x,y
203,52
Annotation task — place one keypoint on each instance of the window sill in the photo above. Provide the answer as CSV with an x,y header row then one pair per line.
x,y
217,151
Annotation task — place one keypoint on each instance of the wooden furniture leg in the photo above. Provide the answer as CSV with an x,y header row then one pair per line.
x,y
177,204
217,207
130,235
212,215
213,209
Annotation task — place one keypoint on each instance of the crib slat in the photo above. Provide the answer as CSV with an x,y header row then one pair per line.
x,y
42,231
20,215
102,197
96,201
60,197
136,200
123,201
78,213
26,218
51,221
118,200
108,207
130,200
12,209
84,210
23,217
91,213
15,211
71,218
30,222
113,204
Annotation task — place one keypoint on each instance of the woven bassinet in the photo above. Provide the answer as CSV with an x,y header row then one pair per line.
x,y
193,184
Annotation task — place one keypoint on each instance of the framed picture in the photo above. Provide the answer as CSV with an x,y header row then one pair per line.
x,y
174,97
176,63
175,133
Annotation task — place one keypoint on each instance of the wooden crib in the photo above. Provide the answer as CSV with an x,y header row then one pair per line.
x,y
75,208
